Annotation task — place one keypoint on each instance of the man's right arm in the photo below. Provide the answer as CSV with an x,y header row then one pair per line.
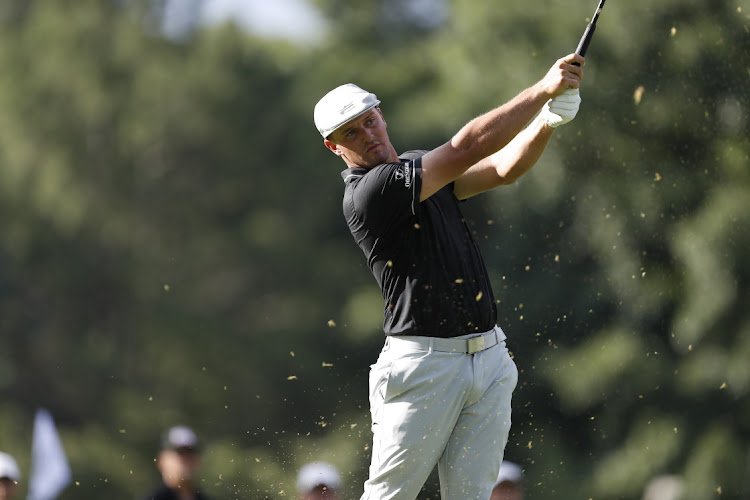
x,y
490,132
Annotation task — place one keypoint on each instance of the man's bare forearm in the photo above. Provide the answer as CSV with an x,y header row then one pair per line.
x,y
522,152
493,130
506,165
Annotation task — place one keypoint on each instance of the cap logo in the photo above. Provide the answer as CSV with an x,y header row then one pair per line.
x,y
346,108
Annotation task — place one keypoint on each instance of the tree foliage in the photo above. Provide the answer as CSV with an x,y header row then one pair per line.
x,y
173,248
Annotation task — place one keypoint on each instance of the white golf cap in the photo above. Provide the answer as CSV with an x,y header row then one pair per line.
x,y
317,474
509,472
9,467
340,105
179,436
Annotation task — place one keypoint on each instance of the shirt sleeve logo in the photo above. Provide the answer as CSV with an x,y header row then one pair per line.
x,y
403,173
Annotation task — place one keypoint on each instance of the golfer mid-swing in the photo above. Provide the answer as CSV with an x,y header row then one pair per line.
x,y
440,391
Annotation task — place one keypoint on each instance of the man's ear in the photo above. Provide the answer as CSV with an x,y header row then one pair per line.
x,y
333,147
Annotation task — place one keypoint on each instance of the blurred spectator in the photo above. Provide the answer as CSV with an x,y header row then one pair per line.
x,y
318,480
178,462
508,485
665,487
9,476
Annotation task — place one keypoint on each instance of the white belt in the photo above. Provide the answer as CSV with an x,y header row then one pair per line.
x,y
463,344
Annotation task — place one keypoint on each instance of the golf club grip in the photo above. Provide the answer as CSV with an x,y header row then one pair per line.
x,y
583,45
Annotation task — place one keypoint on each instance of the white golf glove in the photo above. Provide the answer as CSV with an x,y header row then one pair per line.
x,y
561,109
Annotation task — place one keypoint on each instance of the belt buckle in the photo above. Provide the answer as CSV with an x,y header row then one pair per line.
x,y
476,344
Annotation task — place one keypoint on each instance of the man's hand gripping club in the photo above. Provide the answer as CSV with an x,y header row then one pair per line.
x,y
563,107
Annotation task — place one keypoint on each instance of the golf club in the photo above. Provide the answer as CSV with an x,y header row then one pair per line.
x,y
588,34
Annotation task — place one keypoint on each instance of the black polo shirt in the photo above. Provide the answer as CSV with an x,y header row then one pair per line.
x,y
423,256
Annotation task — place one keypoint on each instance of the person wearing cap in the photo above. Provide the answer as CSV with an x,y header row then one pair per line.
x,y
440,391
10,475
318,481
178,462
508,485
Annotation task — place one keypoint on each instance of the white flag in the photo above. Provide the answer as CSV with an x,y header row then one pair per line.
x,y
50,472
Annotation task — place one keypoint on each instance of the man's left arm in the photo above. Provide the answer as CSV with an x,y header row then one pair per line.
x,y
520,154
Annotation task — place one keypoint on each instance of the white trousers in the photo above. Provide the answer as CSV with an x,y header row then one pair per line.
x,y
434,407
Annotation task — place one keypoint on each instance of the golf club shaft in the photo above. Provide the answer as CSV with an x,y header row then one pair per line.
x,y
588,34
